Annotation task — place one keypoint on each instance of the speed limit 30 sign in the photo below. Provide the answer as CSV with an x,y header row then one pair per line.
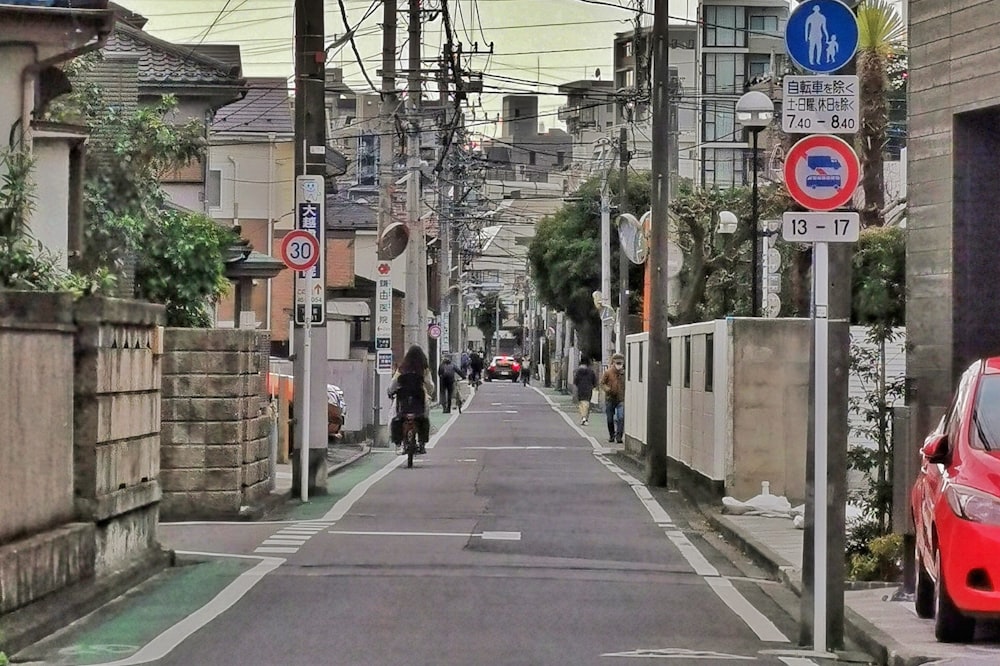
x,y
299,250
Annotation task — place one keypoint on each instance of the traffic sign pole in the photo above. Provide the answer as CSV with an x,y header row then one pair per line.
x,y
822,173
306,381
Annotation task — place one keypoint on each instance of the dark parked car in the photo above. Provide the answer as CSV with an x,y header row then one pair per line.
x,y
955,503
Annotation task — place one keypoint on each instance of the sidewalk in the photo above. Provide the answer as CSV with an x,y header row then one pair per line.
x,y
878,622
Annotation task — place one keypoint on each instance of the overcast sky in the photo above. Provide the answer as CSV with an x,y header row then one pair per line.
x,y
537,43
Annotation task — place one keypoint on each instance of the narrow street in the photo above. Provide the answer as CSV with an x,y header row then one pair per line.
x,y
515,540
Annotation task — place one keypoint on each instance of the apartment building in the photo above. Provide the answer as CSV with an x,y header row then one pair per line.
x,y
740,44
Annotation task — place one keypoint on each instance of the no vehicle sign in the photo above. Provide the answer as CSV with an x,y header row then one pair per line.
x,y
822,172
299,250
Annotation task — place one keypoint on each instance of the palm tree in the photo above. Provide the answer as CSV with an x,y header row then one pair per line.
x,y
881,34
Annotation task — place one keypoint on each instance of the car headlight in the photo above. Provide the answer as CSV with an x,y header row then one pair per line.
x,y
972,504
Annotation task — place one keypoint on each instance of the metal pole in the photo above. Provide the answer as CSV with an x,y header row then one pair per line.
x,y
656,395
306,379
821,342
623,262
755,235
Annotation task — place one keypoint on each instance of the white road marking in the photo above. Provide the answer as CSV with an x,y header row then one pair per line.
x,y
486,536
490,411
163,644
679,653
517,448
275,549
501,536
344,504
797,661
284,542
754,619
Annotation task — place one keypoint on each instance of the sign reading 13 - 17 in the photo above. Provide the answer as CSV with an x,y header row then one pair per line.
x,y
821,35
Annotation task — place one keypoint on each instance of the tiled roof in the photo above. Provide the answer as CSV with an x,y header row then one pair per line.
x,y
345,214
166,63
228,54
267,107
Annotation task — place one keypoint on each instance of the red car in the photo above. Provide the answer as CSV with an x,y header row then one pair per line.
x,y
503,367
955,503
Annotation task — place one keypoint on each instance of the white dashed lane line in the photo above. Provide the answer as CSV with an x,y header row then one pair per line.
x,y
288,540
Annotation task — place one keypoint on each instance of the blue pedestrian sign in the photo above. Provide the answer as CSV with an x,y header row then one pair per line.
x,y
821,36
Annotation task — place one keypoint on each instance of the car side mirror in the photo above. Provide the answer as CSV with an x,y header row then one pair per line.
x,y
935,449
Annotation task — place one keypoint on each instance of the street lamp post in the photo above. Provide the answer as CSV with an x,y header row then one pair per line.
x,y
754,111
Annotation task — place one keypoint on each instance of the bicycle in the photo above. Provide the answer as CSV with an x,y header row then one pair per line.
x,y
410,445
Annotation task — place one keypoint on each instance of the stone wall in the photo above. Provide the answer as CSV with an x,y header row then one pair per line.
x,y
36,412
116,426
214,437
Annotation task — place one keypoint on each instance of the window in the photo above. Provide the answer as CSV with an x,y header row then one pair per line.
x,y
724,74
725,26
560,158
764,24
724,168
985,430
709,362
531,157
213,188
687,361
759,66
719,121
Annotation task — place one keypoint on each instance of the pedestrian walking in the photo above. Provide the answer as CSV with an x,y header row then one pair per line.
x,y
613,385
447,373
525,371
585,382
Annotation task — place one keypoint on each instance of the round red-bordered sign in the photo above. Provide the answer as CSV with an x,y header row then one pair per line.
x,y
822,172
299,250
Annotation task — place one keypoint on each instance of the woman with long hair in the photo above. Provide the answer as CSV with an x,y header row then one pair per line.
x,y
412,386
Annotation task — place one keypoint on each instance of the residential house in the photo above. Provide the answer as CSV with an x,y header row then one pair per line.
x,y
34,42
251,165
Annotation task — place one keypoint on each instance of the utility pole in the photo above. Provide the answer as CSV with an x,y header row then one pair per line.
x,y
310,160
606,324
415,329
386,163
623,262
659,364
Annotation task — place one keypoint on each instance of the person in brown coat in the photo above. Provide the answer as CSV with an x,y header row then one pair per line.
x,y
613,385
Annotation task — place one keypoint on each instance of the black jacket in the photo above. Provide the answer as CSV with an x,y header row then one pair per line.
x,y
584,380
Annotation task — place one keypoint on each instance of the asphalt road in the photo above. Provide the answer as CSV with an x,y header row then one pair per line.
x,y
515,540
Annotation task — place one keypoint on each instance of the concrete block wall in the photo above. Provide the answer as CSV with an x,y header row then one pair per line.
x,y
36,412
116,441
214,437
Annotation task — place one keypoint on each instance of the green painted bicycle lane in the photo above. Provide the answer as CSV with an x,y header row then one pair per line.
x,y
122,628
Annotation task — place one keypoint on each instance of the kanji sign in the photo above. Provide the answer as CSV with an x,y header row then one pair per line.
x,y
820,104
309,218
822,172
383,319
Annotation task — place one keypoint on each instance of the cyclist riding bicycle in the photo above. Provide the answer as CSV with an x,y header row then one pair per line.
x,y
411,387
475,368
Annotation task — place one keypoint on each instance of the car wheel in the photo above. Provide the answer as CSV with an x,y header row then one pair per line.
x,y
923,599
950,626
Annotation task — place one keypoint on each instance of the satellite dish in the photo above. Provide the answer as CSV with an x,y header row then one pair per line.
x,y
597,73
393,241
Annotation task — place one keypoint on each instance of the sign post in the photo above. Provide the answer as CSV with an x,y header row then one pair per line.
x,y
383,319
300,252
821,173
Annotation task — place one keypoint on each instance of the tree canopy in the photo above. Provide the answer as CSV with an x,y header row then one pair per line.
x,y
565,254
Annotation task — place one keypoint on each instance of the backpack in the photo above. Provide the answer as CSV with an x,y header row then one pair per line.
x,y
447,372
410,397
